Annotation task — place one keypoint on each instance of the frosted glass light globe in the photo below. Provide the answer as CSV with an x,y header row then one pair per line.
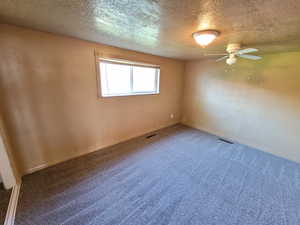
x,y
205,37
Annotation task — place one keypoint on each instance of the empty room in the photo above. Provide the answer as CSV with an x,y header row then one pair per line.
x,y
147,112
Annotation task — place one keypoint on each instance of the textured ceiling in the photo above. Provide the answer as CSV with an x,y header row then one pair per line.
x,y
164,27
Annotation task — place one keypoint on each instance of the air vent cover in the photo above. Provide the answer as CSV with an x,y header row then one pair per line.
x,y
226,141
151,135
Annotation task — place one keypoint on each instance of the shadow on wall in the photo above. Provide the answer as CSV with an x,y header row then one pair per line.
x,y
252,101
37,94
49,95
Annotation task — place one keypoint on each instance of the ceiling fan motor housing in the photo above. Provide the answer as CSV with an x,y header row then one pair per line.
x,y
233,48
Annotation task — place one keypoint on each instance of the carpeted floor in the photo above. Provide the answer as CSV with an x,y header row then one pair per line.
x,y
180,176
4,201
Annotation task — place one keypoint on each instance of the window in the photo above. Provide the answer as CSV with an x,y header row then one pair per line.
x,y
123,78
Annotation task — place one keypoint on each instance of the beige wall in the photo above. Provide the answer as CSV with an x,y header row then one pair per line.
x,y
252,102
49,98
48,94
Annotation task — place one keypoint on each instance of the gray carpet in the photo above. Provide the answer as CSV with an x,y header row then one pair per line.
x,y
180,176
4,201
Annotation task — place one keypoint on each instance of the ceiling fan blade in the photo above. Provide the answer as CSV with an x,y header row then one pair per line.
x,y
247,50
222,58
253,57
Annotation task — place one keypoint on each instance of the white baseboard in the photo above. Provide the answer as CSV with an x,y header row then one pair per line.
x,y
91,149
239,141
13,203
231,138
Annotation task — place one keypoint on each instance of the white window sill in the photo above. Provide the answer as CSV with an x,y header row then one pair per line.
x,y
130,94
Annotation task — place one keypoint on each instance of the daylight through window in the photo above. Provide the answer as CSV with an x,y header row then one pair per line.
x,y
120,78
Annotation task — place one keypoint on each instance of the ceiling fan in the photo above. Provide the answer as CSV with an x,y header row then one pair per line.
x,y
234,51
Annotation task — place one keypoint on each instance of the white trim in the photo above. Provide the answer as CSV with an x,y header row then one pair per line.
x,y
94,148
103,81
127,62
39,167
230,138
240,141
6,170
13,203
130,94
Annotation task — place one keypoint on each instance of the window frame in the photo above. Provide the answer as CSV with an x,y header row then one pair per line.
x,y
131,64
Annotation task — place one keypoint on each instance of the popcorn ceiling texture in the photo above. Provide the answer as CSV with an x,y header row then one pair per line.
x,y
164,27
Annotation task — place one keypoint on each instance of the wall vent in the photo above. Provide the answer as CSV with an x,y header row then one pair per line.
x,y
151,135
226,141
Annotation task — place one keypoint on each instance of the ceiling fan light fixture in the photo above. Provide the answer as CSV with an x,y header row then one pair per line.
x,y
231,60
205,37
